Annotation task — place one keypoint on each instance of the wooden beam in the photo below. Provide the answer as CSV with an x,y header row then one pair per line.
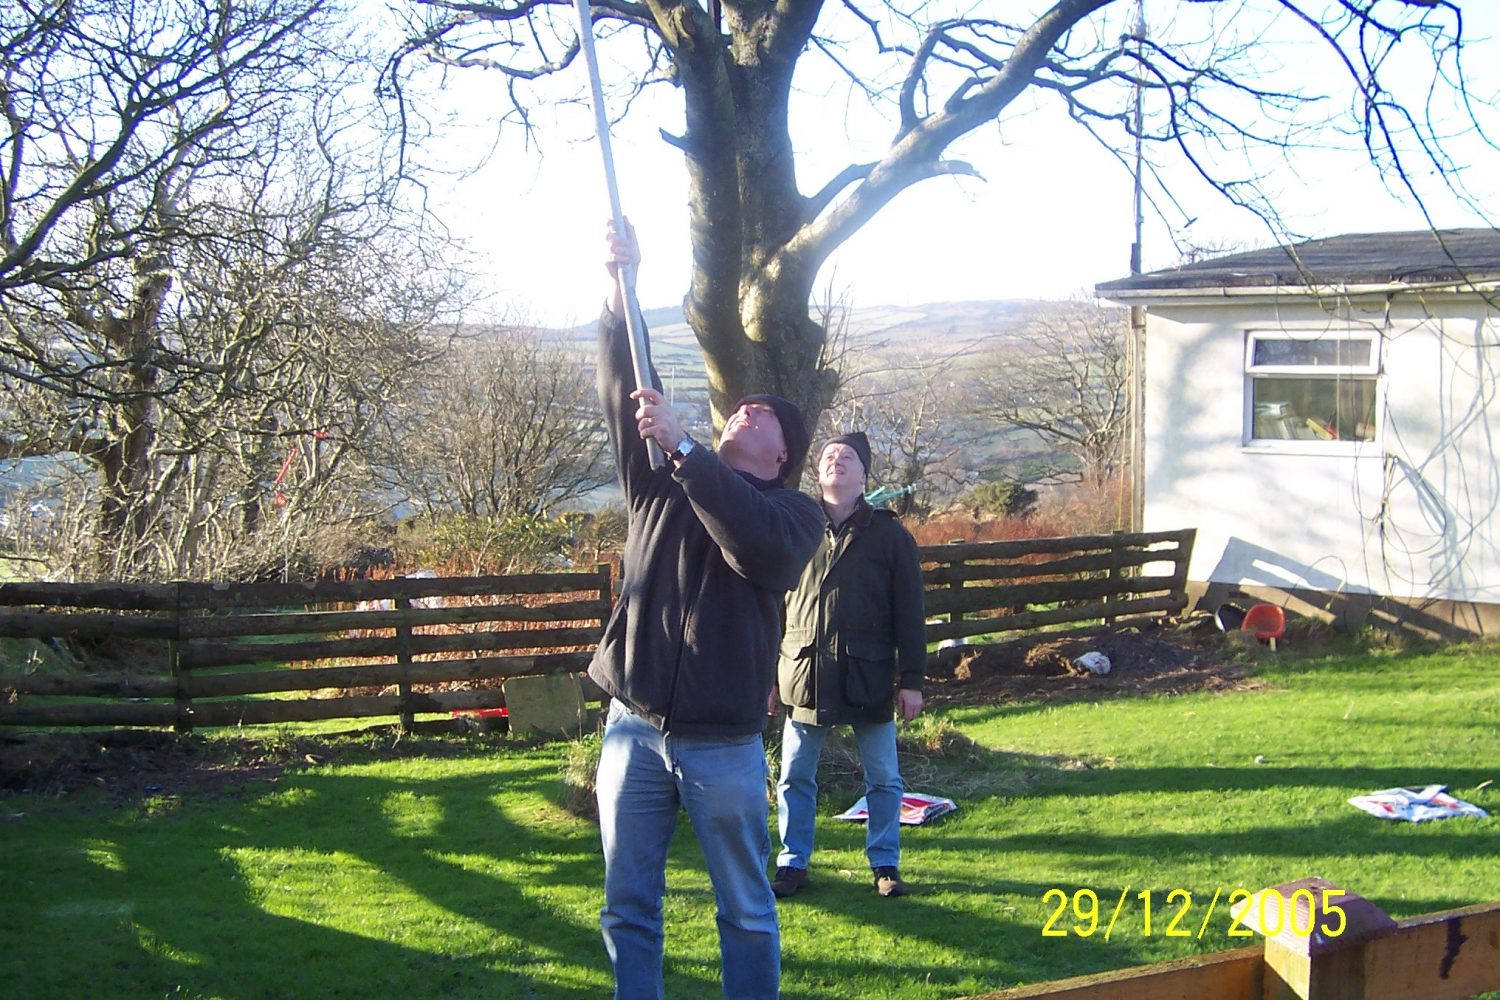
x,y
1098,562
970,551
1440,956
1436,956
1031,619
593,609
217,596
1223,975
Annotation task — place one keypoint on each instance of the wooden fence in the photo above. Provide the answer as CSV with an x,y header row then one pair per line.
x,y
983,588
1341,948
195,652
199,655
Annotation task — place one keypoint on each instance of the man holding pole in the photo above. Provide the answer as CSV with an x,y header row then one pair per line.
x,y
714,542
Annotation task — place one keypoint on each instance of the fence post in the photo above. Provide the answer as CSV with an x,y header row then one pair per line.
x,y
183,699
1112,596
1315,933
606,589
402,603
956,616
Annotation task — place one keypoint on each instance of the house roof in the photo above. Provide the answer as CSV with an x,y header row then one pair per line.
x,y
1404,258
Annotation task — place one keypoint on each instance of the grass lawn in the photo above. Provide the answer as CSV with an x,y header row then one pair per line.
x,y
463,877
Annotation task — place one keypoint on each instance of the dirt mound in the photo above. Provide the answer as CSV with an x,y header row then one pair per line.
x,y
130,765
1156,661
135,765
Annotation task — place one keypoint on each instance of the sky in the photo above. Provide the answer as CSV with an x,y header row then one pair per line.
x,y
1052,217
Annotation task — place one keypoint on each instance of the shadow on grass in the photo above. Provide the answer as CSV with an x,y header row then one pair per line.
x,y
199,916
191,903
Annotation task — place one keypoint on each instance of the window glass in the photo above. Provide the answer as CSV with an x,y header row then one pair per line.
x,y
1313,409
1289,353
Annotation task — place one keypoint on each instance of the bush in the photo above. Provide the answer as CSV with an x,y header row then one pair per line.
x,y
1003,498
470,544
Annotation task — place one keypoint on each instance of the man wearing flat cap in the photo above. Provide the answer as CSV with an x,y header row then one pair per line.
x,y
855,653
688,658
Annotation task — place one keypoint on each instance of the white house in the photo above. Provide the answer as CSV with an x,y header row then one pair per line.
x,y
1325,415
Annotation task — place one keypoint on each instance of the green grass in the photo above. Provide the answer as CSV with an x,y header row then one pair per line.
x,y
463,877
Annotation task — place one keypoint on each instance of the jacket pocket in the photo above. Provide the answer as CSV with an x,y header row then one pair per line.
x,y
795,669
869,675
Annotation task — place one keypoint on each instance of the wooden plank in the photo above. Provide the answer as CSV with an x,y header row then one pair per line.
x,y
1069,566
403,663
1224,975
1436,956
344,621
216,596
88,713
1180,575
937,631
1293,975
42,624
208,714
116,685
199,654
975,599
382,674
1116,569
971,551
268,711
110,596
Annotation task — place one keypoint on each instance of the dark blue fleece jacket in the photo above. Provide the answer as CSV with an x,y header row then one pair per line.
x,y
710,552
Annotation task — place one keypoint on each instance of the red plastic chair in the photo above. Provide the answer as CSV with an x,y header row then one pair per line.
x,y
1266,621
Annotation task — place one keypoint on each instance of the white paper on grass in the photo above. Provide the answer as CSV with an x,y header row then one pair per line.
x,y
1415,805
916,809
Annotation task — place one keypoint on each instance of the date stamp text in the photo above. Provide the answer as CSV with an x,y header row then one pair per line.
x,y
1180,913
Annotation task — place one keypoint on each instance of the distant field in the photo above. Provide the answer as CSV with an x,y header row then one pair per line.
x,y
878,334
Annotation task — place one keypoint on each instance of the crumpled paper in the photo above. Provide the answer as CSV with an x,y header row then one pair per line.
x,y
1415,805
916,809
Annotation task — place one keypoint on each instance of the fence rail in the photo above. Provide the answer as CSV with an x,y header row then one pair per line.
x,y
1435,956
194,655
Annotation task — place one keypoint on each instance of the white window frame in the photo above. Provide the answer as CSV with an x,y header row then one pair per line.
x,y
1367,370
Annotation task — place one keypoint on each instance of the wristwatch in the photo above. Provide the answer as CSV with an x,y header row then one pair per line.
x,y
684,447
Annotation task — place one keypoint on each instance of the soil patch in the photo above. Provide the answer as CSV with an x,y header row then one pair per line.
x,y
136,765
1151,661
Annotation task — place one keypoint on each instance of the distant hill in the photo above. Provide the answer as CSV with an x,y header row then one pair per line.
x,y
933,331
936,327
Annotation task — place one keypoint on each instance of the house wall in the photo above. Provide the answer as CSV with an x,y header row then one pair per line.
x,y
1408,516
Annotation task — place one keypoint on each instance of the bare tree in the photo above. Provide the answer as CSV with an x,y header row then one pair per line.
x,y
1061,375
1212,97
203,263
509,428
912,410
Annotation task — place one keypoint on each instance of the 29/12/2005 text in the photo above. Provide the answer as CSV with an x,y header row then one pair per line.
x,y
1080,913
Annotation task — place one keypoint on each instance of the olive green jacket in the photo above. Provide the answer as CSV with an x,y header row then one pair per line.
x,y
854,624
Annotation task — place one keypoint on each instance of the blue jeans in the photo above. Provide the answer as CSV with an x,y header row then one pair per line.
x,y
644,776
797,792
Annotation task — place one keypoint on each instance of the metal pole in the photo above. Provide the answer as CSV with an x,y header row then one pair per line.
x,y
1136,357
635,326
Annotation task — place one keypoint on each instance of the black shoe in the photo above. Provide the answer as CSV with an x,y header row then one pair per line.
x,y
788,881
888,882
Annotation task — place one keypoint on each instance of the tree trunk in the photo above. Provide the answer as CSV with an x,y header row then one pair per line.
x,y
124,456
748,300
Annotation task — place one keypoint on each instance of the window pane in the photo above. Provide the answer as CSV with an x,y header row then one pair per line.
x,y
1313,409
1283,353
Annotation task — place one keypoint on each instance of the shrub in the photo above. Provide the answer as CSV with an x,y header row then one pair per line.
x,y
1003,498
